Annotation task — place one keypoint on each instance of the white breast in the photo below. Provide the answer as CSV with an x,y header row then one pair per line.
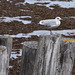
x,y
58,22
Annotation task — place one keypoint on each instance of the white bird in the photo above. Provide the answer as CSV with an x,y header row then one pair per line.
x,y
51,23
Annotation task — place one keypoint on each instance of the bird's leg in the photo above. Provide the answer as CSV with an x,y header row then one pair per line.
x,y
51,32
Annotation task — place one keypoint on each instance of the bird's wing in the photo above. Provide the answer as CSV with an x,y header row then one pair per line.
x,y
50,22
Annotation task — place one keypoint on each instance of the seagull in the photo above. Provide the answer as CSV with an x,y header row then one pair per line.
x,y
51,23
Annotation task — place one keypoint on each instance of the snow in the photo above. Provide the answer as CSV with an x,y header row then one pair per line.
x,y
24,10
18,18
13,55
63,4
10,66
43,32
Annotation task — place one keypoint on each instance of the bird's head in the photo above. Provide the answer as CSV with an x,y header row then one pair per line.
x,y
58,18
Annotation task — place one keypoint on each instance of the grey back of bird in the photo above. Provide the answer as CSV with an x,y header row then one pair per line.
x,y
51,23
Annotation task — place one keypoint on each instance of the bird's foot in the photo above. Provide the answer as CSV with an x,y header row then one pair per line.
x,y
51,33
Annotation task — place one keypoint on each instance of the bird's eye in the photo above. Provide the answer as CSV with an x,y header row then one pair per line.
x,y
57,18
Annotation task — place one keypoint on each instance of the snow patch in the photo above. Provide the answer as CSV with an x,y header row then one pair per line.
x,y
44,32
18,18
63,4
13,55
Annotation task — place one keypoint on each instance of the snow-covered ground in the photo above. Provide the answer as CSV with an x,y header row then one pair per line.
x,y
63,4
43,32
18,18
